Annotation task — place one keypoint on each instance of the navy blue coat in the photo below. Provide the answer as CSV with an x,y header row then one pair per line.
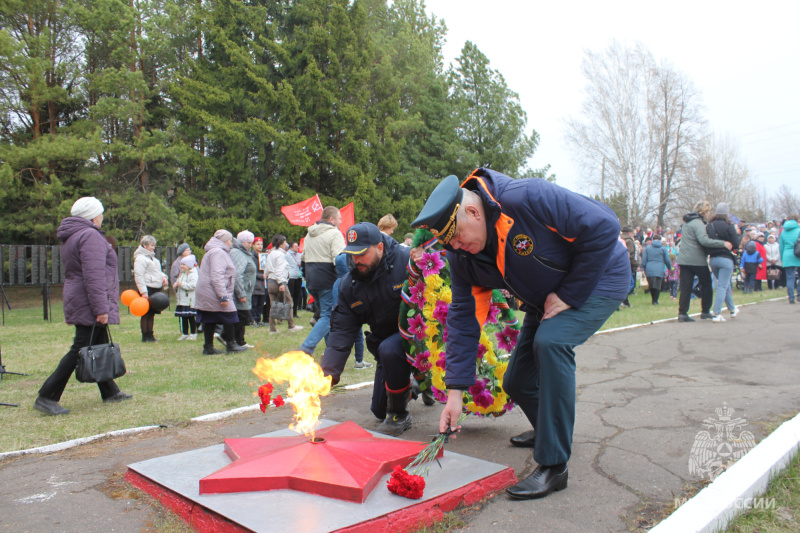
x,y
542,238
375,302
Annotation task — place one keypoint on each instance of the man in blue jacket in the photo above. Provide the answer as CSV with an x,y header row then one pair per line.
x,y
371,294
559,253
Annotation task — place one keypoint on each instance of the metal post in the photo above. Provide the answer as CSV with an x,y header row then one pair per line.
x,y
4,302
45,298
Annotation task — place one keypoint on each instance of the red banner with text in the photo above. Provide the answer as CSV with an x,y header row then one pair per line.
x,y
303,213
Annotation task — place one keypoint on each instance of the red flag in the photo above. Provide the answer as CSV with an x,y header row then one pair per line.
x,y
348,213
304,213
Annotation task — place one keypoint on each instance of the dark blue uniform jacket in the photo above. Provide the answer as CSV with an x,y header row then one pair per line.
x,y
542,238
375,302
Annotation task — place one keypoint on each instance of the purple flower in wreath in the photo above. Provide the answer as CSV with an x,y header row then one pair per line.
x,y
421,363
439,395
442,361
431,263
481,396
416,325
418,293
507,338
444,334
440,313
481,351
494,312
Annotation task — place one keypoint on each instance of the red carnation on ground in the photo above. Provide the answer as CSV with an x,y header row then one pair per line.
x,y
278,401
406,485
265,391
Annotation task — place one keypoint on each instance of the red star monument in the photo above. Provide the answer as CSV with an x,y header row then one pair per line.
x,y
344,462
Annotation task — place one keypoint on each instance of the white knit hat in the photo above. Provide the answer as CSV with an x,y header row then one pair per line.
x,y
87,207
245,236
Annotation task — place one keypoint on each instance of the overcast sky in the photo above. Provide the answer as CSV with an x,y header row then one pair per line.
x,y
743,57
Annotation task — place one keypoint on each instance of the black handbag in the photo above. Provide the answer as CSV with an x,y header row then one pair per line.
x,y
99,362
281,310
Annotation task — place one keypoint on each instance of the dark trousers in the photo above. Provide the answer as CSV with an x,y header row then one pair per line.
x,y
188,325
688,272
258,306
209,328
541,373
655,288
296,292
147,322
393,370
238,329
749,282
54,386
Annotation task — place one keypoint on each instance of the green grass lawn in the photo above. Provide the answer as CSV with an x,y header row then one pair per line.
x,y
171,381
784,515
643,311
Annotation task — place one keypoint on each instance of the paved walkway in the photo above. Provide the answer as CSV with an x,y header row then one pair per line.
x,y
643,395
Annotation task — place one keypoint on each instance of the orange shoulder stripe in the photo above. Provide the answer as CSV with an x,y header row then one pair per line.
x,y
483,300
568,239
502,226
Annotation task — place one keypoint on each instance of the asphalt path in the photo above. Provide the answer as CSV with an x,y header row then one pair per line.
x,y
643,396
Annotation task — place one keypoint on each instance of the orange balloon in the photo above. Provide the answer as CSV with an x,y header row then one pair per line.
x,y
139,306
128,296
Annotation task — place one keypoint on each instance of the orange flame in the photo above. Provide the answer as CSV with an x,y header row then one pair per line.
x,y
306,385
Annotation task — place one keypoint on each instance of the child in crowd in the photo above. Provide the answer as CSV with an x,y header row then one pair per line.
x,y
751,261
674,276
184,289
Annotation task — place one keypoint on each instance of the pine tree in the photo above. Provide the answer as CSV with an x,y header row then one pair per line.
x,y
491,122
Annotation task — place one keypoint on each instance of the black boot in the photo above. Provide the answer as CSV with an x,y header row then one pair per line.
x,y
234,347
208,349
49,407
524,440
208,345
398,419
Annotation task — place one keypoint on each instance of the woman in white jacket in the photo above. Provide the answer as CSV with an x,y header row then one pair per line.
x,y
149,280
184,286
278,281
773,259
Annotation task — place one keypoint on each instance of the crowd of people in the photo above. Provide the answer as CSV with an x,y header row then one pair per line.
x,y
539,242
710,256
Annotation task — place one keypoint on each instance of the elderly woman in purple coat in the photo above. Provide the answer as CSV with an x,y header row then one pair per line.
x,y
91,293
214,292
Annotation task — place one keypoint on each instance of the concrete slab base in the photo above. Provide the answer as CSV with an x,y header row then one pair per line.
x,y
174,481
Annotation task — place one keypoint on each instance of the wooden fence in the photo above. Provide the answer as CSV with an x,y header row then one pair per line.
x,y
32,264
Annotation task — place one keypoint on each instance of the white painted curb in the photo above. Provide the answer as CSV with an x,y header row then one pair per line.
x,y
732,492
673,319
204,418
75,442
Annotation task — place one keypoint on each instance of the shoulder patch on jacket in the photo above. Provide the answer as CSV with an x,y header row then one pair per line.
x,y
356,304
397,287
522,244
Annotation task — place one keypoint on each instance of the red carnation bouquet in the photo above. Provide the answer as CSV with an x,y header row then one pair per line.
x,y
410,482
265,394
406,485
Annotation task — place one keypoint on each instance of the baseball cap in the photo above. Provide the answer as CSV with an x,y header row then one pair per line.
x,y
360,237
